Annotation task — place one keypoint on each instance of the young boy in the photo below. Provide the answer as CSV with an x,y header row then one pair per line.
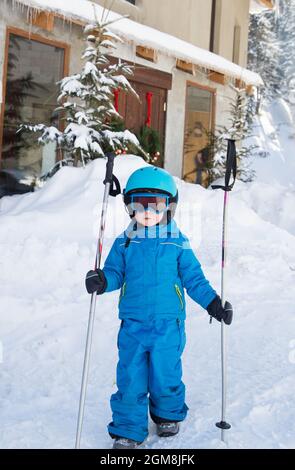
x,y
152,263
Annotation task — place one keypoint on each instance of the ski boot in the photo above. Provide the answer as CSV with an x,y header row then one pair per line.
x,y
167,429
124,443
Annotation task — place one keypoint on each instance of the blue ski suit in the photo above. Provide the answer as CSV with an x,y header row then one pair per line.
x,y
152,273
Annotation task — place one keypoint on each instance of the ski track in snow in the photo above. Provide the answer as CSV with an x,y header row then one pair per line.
x,y
47,245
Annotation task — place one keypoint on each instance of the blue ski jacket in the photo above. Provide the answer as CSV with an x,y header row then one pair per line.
x,y
153,271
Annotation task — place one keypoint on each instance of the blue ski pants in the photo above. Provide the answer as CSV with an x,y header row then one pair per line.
x,y
148,376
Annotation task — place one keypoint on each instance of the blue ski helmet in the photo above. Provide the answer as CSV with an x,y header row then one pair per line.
x,y
153,180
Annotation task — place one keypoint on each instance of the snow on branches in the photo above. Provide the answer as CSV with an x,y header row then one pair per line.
x,y
242,111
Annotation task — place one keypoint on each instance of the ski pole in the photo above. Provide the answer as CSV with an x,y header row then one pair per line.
x,y
109,178
231,167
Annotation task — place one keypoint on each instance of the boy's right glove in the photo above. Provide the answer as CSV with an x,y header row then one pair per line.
x,y
96,281
217,311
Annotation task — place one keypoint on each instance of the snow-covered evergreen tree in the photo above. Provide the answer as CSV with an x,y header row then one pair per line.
x,y
86,102
242,111
264,52
286,33
271,50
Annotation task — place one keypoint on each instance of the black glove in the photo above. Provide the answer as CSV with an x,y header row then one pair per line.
x,y
96,281
216,310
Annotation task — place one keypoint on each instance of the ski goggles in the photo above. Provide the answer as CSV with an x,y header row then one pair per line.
x,y
141,202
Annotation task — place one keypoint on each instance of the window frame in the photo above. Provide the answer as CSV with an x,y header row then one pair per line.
x,y
213,91
34,37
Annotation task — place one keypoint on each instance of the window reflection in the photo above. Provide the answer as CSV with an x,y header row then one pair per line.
x,y
199,117
33,69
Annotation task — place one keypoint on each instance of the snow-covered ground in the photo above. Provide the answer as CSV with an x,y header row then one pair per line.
x,y
47,243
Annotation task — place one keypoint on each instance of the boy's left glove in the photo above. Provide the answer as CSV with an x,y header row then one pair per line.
x,y
216,310
95,281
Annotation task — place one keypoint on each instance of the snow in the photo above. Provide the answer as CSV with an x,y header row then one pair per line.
x,y
146,36
72,85
274,133
47,244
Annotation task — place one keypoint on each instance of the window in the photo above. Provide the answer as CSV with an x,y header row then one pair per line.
x,y
131,1
33,68
199,123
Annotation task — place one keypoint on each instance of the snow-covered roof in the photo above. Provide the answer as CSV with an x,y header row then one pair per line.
x,y
83,11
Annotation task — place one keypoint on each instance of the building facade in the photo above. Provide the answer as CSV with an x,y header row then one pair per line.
x,y
188,56
219,26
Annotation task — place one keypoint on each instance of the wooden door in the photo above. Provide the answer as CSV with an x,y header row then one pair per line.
x,y
135,112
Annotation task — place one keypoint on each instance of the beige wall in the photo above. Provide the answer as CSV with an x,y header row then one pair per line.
x,y
231,13
190,20
186,19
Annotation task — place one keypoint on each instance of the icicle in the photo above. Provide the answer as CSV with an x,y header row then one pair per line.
x,y
30,20
277,9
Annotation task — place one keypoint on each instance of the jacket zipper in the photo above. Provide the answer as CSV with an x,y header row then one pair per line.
x,y
123,291
178,292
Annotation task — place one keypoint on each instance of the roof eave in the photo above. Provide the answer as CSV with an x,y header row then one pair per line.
x,y
242,74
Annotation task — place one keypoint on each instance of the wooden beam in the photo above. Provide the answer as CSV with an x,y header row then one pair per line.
x,y
239,83
147,53
187,67
147,75
216,77
267,3
250,90
44,20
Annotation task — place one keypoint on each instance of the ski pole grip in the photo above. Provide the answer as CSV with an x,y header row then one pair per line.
x,y
230,168
109,168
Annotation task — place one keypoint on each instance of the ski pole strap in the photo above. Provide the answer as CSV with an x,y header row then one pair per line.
x,y
115,188
231,167
114,191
